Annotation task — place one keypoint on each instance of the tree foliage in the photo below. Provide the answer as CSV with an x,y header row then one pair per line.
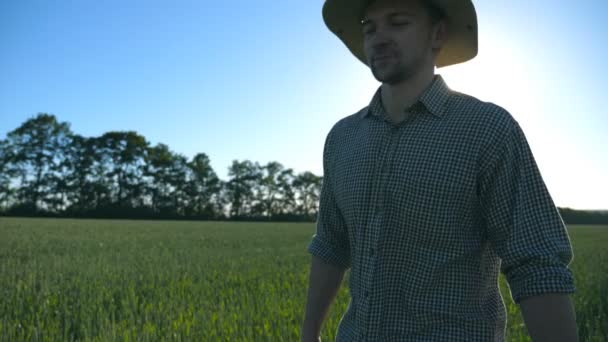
x,y
45,169
37,160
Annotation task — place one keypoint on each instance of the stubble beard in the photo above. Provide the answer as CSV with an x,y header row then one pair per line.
x,y
390,76
393,74
400,70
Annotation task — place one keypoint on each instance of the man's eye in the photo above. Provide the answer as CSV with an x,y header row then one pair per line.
x,y
400,23
368,29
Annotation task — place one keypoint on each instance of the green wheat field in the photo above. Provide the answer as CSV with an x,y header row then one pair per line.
x,y
100,280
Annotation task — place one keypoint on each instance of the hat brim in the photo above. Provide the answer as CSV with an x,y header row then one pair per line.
x,y
343,18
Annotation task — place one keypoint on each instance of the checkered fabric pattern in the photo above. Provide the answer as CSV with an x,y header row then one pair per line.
x,y
426,214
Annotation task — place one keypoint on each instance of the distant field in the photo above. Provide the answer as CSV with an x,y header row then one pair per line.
x,y
159,280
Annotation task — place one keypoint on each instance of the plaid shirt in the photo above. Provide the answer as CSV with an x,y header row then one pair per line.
x,y
428,212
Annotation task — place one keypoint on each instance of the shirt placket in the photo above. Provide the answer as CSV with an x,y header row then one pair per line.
x,y
379,192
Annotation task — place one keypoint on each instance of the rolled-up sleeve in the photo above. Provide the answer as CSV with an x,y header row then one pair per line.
x,y
330,243
522,222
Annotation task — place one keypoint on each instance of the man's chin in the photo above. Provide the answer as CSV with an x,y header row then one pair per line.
x,y
387,77
379,74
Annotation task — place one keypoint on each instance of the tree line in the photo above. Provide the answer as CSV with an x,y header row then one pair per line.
x,y
48,170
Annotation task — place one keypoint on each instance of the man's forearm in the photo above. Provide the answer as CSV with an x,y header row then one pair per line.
x,y
325,281
550,317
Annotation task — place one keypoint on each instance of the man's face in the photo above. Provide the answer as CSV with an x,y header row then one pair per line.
x,y
399,38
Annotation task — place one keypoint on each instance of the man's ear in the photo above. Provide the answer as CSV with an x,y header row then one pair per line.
x,y
439,34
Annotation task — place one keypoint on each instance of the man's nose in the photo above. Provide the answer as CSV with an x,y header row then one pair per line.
x,y
379,41
379,38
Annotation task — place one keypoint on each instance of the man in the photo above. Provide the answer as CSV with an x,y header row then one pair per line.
x,y
428,194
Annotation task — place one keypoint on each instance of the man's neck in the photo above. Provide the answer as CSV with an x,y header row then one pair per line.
x,y
396,98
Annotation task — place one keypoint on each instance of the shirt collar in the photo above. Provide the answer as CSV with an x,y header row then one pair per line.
x,y
433,98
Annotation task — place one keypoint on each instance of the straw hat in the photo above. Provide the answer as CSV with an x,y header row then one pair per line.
x,y
343,18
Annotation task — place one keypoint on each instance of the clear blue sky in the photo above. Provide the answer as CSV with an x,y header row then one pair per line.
x,y
265,80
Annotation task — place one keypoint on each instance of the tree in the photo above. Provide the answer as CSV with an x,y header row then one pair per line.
x,y
7,174
158,168
178,181
287,204
123,156
38,146
275,195
245,176
168,187
44,168
268,188
307,186
101,186
203,188
80,183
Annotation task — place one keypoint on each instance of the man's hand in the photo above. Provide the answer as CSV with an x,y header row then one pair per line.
x,y
550,317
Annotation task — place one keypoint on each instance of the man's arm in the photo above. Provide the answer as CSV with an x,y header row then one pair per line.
x,y
550,317
529,235
325,281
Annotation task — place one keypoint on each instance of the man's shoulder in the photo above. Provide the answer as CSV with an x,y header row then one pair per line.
x,y
473,112
348,122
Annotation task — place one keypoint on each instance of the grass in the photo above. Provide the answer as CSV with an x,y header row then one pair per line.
x,y
98,280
